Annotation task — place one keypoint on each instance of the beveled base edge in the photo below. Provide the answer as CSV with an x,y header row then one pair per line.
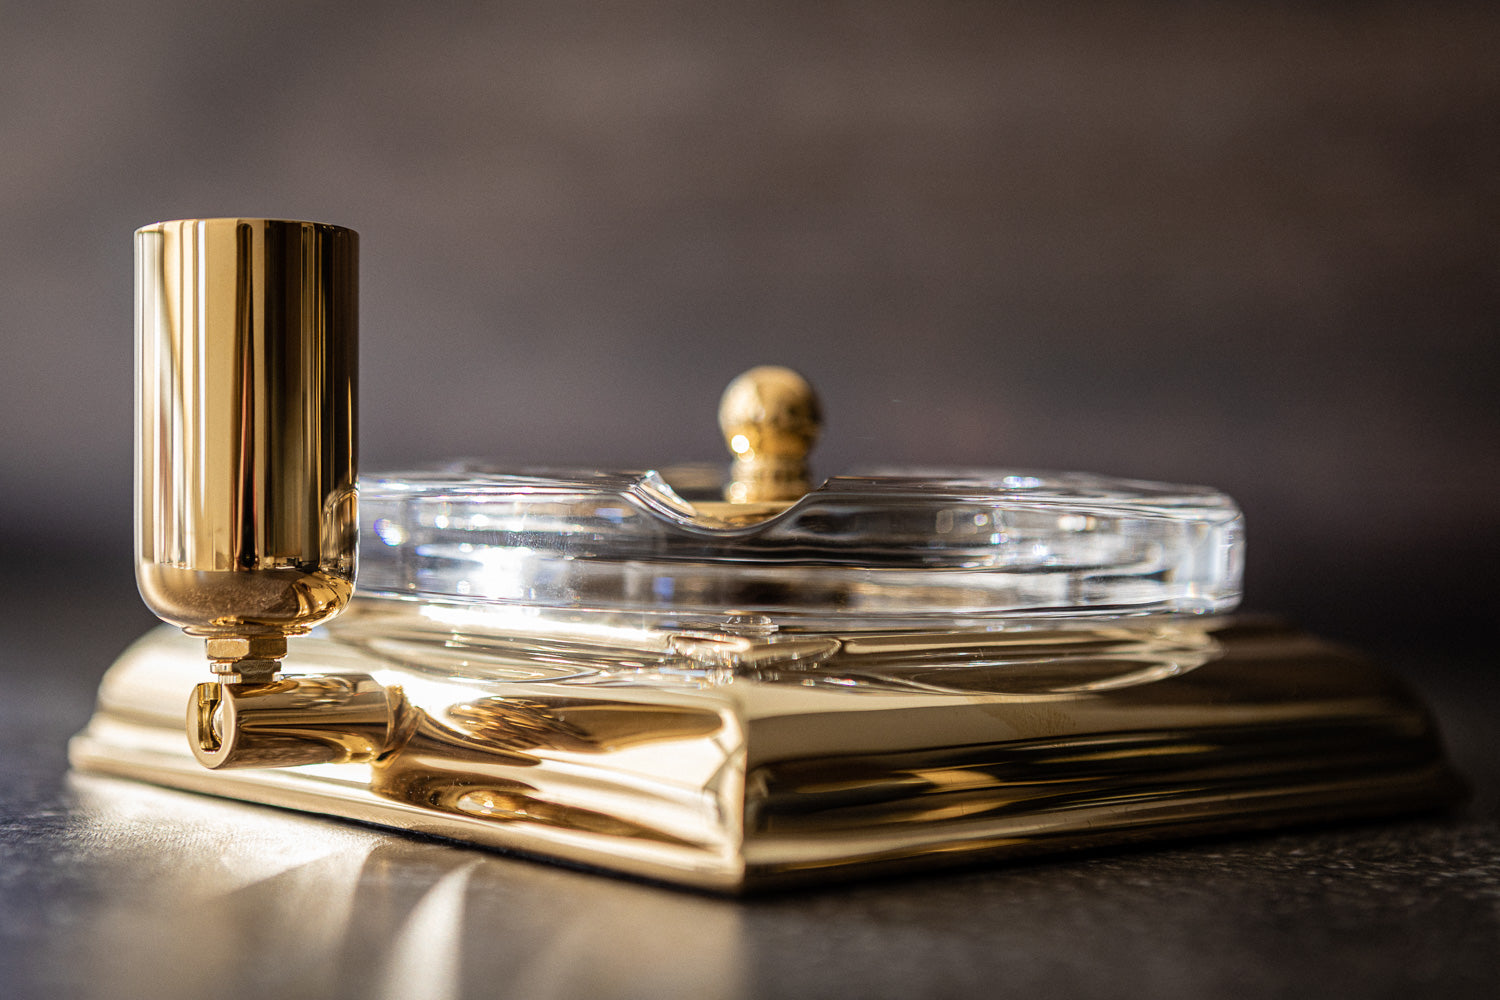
x,y
1253,742
1422,790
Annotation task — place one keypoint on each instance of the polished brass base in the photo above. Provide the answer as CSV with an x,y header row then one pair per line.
x,y
802,758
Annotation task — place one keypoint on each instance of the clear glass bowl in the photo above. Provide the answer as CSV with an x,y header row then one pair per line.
x,y
888,549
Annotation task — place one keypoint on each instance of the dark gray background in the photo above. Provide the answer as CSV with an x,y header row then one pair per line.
x,y
1246,244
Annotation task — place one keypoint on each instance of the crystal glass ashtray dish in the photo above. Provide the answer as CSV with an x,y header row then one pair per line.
x,y
879,551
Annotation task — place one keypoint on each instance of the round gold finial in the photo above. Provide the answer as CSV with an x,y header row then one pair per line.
x,y
770,418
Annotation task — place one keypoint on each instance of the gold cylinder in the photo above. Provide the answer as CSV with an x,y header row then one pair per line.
x,y
329,719
246,356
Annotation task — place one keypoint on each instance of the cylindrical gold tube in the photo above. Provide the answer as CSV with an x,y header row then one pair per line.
x,y
246,354
334,719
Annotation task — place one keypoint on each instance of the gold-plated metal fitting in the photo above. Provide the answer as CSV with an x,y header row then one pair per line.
x,y
246,670
246,353
770,417
260,647
327,719
237,659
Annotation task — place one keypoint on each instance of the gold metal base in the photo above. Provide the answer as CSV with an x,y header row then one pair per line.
x,y
803,758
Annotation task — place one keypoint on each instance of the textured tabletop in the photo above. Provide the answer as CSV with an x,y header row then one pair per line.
x,y
108,888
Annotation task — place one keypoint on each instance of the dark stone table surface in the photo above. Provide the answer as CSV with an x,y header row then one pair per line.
x,y
112,889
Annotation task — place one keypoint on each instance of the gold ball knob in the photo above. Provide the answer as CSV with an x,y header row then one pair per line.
x,y
770,417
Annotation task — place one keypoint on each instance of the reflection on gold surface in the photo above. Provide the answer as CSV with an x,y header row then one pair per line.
x,y
603,727
246,518
894,750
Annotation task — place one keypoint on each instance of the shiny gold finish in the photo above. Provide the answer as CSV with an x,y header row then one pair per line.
x,y
341,719
245,658
245,429
723,753
231,648
770,417
721,762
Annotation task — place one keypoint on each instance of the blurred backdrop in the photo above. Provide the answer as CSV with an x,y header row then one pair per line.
x,y
1247,244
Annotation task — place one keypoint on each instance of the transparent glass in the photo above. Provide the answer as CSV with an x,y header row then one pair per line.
x,y
890,549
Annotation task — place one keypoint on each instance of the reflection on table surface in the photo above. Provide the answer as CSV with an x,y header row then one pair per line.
x,y
197,893
142,891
